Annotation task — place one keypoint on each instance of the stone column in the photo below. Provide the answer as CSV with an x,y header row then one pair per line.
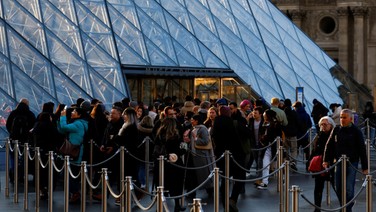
x,y
360,44
297,17
343,39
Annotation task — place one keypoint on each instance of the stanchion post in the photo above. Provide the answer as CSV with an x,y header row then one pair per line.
x,y
328,200
50,180
368,145
91,170
280,174
160,199
66,183
196,205
122,177
15,178
7,149
128,193
104,189
26,177
161,170
369,193
216,189
295,198
37,178
147,165
343,168
227,181
287,185
83,186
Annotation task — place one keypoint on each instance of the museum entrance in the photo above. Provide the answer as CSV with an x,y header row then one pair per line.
x,y
148,89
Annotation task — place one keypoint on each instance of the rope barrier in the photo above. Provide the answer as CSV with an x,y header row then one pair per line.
x,y
71,173
141,206
199,155
29,154
356,169
116,196
20,153
320,172
105,161
194,190
295,159
197,167
254,179
265,147
259,170
41,162
310,143
298,139
339,208
138,159
10,146
57,169
89,182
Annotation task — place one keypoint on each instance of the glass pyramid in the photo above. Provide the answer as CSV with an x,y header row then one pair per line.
x,y
59,50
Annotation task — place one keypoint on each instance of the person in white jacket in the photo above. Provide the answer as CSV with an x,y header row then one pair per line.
x,y
336,110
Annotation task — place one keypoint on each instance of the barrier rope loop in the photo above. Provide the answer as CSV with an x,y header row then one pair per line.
x,y
320,172
88,180
154,200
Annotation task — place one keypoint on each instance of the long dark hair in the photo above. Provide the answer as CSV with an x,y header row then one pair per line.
x,y
168,128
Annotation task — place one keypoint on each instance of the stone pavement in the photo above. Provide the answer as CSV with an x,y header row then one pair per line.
x,y
252,200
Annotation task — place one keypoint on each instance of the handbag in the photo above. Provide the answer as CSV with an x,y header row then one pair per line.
x,y
70,149
316,164
208,146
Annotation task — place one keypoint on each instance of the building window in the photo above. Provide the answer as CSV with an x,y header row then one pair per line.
x,y
327,25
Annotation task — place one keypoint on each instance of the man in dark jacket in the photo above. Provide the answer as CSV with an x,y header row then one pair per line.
x,y
318,111
291,131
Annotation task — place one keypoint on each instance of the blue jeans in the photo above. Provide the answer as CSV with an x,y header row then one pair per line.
x,y
350,184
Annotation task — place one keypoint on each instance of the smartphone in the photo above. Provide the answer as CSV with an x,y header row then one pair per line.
x,y
66,107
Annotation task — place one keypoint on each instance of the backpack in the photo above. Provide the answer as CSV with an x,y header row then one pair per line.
x,y
20,128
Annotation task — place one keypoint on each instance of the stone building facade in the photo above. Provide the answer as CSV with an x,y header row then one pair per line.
x,y
345,29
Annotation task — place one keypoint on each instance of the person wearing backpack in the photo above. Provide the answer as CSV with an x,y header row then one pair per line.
x,y
19,123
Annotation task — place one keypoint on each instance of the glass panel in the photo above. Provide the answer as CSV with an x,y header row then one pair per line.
x,y
310,47
245,18
5,76
29,61
6,106
157,57
25,24
153,10
3,41
268,94
284,71
321,72
178,12
66,7
127,9
273,44
202,14
127,55
185,58
62,27
98,8
186,39
68,62
129,34
96,29
31,6
263,18
207,88
283,23
224,16
328,93
211,60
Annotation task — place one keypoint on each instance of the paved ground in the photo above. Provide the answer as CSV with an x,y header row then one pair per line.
x,y
252,200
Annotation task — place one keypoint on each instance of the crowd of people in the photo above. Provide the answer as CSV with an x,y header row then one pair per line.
x,y
191,134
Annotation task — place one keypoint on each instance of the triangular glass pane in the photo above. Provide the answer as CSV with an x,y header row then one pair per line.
x,y
27,88
101,61
202,14
185,38
31,6
208,39
185,58
3,41
68,62
30,62
273,44
288,90
25,24
62,27
96,29
67,8
320,71
5,76
329,95
153,10
7,104
127,55
103,90
245,18
178,11
310,47
284,71
225,16
66,90
262,16
128,34
211,60
157,57
257,48
282,22
127,9
267,94
98,8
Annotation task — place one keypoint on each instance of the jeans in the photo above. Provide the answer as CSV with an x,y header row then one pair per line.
x,y
350,184
266,165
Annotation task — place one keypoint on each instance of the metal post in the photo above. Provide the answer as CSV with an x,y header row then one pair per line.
x,y
295,198
369,194
26,176
196,205
309,140
287,185
37,176
122,177
128,193
280,174
161,171
15,178
344,158
160,199
104,189
91,170
216,189
7,149
328,200
83,186
50,180
147,165
227,181
66,183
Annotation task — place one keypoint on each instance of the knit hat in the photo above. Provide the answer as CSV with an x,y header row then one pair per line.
x,y
85,105
244,103
221,101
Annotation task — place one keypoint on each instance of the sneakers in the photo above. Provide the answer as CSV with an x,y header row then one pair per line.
x,y
257,183
262,186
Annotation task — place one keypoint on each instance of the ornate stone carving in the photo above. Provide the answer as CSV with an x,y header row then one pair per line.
x,y
297,14
342,11
359,11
